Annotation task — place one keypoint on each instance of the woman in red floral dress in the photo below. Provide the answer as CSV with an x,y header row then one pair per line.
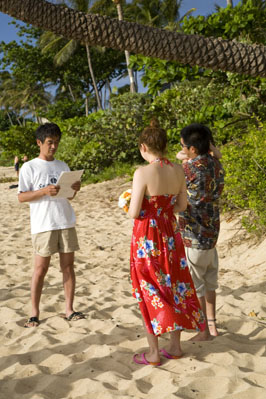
x,y
160,277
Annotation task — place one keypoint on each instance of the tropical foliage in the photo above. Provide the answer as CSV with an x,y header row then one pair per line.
x,y
244,160
105,142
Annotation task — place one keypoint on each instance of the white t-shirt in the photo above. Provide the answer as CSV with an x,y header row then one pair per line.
x,y
47,213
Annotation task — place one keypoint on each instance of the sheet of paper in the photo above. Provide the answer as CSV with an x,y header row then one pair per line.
x,y
65,181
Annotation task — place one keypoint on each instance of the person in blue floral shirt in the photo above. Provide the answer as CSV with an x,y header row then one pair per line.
x,y
200,222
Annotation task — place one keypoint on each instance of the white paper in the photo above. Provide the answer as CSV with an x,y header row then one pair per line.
x,y
65,181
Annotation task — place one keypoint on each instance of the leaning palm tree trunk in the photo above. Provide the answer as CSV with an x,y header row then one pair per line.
x,y
122,35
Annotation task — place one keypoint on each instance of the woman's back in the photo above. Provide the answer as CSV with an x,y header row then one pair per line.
x,y
162,177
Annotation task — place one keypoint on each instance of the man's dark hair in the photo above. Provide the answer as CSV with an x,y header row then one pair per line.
x,y
198,136
47,130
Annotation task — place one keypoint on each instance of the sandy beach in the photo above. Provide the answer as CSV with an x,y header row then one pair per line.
x,y
92,358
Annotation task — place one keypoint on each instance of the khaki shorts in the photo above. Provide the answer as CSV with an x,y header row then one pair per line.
x,y
203,267
49,242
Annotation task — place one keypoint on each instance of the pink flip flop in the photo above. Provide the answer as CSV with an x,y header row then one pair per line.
x,y
143,360
168,356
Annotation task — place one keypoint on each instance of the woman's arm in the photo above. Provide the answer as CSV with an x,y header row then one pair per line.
x,y
181,201
138,191
215,152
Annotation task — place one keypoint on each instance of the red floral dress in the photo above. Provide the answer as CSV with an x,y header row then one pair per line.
x,y
160,277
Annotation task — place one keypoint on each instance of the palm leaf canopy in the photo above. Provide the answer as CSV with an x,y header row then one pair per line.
x,y
64,49
94,30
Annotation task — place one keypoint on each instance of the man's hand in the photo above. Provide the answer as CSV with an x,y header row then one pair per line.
x,y
28,196
76,186
182,156
52,190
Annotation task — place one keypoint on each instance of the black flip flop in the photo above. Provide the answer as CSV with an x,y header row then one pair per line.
x,y
75,316
33,319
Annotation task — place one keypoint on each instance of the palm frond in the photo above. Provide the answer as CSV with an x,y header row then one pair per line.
x,y
53,45
65,53
187,14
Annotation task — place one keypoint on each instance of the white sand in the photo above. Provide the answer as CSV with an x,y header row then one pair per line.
x,y
92,358
7,172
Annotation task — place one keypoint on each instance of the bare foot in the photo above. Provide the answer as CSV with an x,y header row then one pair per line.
x,y
202,336
212,327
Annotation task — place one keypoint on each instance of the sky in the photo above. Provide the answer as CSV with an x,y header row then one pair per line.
x,y
203,7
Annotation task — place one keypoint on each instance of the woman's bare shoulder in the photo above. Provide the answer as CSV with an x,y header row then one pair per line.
x,y
140,168
178,168
140,171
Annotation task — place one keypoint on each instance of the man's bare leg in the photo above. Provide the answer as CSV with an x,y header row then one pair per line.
x,y
41,265
69,280
210,298
203,335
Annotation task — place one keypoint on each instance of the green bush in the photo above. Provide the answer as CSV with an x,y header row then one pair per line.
x,y
244,161
225,107
105,137
19,140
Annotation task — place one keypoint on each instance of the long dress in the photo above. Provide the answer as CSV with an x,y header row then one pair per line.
x,y
160,276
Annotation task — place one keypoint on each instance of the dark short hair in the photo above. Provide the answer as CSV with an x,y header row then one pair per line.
x,y
47,130
198,136
154,137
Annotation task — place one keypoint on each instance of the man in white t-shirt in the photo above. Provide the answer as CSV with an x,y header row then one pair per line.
x,y
52,219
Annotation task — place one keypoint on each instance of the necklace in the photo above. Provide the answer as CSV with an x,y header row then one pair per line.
x,y
156,160
162,160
